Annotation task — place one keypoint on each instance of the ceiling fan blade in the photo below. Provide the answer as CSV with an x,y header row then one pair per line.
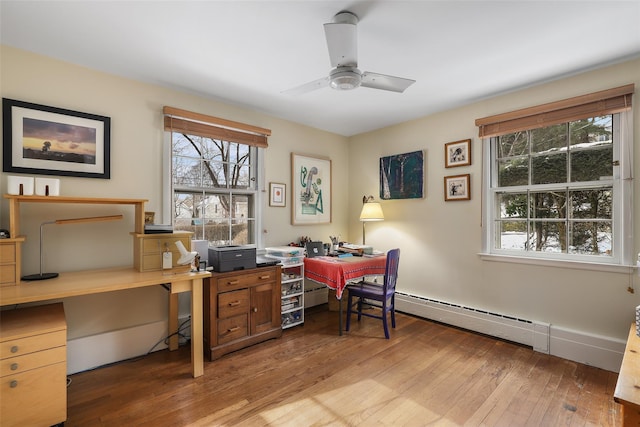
x,y
384,82
308,87
342,42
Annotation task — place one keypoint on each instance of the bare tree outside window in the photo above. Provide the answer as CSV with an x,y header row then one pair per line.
x,y
214,189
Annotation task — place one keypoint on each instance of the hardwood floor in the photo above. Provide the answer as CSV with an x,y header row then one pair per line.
x,y
426,374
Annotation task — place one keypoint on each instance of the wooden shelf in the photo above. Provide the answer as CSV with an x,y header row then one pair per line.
x,y
14,207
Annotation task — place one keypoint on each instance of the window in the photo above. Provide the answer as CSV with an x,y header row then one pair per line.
x,y
213,177
560,189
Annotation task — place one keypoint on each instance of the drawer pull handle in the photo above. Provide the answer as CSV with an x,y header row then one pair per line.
x,y
232,282
14,349
264,277
234,303
255,309
235,328
14,366
13,384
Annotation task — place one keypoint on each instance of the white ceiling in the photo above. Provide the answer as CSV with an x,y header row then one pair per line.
x,y
247,52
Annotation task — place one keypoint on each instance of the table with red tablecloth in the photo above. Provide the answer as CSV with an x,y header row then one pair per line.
x,y
336,272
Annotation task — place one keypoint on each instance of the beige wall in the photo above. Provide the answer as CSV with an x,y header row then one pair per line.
x,y
440,241
136,172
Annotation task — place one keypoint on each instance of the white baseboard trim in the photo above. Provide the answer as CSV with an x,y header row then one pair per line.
x,y
578,346
593,350
102,349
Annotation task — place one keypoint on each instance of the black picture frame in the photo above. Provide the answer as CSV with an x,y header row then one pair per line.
x,y
71,143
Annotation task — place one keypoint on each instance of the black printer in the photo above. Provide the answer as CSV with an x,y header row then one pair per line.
x,y
232,257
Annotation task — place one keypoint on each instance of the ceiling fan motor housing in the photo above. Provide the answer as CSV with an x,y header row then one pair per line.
x,y
345,78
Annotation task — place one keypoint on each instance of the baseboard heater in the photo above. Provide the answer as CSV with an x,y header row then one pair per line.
x,y
510,328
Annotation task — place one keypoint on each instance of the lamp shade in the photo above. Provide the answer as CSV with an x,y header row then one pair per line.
x,y
371,211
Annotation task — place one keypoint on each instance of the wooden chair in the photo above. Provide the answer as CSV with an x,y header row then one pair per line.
x,y
384,294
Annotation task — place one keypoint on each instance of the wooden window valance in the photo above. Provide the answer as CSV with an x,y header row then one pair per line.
x,y
177,120
594,104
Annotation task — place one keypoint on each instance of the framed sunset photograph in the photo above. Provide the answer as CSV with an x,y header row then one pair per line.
x,y
44,140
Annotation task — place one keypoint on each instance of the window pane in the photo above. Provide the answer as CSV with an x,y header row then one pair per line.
x,y
592,164
593,131
548,204
187,145
214,174
513,172
591,238
238,153
592,204
549,168
512,205
240,232
511,235
214,149
549,139
548,236
240,177
186,172
513,144
240,207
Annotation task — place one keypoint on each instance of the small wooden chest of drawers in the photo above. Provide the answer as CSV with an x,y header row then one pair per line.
x,y
148,249
10,261
33,366
241,308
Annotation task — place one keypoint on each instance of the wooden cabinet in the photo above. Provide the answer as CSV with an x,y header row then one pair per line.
x,y
33,366
10,261
148,249
241,308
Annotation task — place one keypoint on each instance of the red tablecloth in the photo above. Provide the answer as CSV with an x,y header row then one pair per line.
x,y
336,272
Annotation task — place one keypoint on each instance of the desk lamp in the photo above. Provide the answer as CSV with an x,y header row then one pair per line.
x,y
44,276
371,211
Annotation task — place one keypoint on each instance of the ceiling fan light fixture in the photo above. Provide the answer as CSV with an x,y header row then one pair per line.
x,y
345,78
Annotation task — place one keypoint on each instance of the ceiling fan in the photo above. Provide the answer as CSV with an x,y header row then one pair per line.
x,y
341,35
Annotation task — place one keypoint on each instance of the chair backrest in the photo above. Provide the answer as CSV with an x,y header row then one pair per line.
x,y
391,271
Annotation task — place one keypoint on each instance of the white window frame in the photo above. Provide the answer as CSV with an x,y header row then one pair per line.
x,y
622,211
168,190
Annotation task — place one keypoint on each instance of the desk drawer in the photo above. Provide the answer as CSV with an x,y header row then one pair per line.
x,y
7,253
21,346
7,274
233,303
244,280
16,365
35,397
233,328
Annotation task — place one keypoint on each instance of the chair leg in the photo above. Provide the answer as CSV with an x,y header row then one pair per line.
x,y
393,317
349,302
384,323
359,309
393,311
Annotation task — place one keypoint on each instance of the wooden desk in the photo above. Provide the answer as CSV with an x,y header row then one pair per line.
x,y
108,280
627,391
335,272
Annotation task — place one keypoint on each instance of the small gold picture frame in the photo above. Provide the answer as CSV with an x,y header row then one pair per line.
x,y
457,187
277,194
457,153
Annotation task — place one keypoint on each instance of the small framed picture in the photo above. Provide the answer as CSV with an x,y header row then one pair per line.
x,y
457,153
457,187
277,194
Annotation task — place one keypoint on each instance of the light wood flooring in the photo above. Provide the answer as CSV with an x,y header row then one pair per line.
x,y
426,374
